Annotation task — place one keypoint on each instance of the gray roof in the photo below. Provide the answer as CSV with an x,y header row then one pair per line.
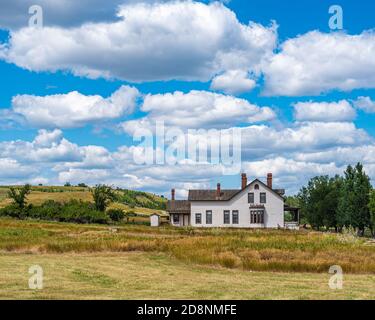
x,y
183,206
178,206
210,195
225,195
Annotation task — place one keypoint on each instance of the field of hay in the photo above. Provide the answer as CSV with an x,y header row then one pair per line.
x,y
140,262
254,250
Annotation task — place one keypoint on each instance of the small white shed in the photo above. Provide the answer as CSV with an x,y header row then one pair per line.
x,y
155,220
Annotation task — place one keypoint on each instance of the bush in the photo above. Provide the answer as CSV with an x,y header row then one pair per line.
x,y
72,211
81,212
116,214
14,211
49,210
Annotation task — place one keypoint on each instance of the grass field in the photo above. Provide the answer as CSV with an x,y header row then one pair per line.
x,y
157,276
65,194
140,262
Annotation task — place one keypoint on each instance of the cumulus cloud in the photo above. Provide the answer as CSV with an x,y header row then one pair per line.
x,y
14,14
365,104
74,109
12,169
197,109
233,82
293,154
181,40
324,111
318,62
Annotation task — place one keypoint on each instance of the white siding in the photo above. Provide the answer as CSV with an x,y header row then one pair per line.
x,y
273,213
154,220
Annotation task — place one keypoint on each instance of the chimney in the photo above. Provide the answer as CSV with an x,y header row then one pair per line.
x,y
269,180
173,193
218,191
243,181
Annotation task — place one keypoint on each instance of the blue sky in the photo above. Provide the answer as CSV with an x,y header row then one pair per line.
x,y
303,68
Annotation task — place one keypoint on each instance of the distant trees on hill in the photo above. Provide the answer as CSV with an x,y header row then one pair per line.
x,y
340,202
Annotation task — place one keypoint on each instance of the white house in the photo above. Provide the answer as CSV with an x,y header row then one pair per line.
x,y
255,205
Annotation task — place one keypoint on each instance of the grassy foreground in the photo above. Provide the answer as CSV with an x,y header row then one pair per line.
x,y
140,262
254,250
156,276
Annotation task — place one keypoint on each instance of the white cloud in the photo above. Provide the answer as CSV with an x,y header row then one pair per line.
x,y
340,155
317,62
14,14
324,111
292,154
233,82
197,109
182,40
365,104
48,146
74,109
289,173
12,169
261,141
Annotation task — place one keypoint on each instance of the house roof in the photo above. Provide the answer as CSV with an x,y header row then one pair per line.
x,y
226,195
210,195
178,206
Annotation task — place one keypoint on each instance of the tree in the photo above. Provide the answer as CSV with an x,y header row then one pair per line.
x,y
346,201
19,195
319,201
103,195
354,200
362,188
372,211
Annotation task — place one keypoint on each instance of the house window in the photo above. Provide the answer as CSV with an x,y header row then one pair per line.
x,y
251,197
176,218
256,187
198,218
235,216
257,217
263,197
226,217
209,217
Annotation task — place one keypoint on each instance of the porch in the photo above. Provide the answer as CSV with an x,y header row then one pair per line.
x,y
293,224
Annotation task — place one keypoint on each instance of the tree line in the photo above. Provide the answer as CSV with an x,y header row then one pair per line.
x,y
340,202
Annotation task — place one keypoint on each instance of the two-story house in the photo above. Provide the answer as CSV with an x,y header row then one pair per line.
x,y
255,205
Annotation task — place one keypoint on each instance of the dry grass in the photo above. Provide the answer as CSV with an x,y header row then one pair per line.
x,y
156,276
254,250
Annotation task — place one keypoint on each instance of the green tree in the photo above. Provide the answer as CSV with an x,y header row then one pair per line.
x,y
103,195
354,201
319,201
347,199
372,212
19,195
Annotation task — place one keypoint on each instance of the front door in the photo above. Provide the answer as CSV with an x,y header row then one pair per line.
x,y
186,220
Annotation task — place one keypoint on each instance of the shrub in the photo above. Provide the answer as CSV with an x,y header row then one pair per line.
x,y
116,214
81,212
49,210
72,211
14,211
